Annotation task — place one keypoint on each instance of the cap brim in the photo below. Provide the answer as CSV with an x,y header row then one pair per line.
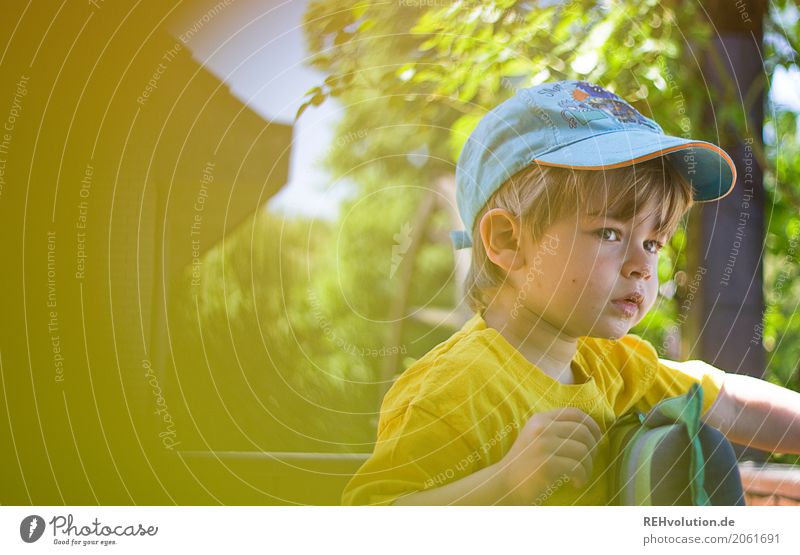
x,y
705,166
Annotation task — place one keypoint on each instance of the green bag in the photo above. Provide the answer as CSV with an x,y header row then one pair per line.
x,y
637,439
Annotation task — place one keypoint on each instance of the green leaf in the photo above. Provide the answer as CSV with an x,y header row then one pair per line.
x,y
300,110
318,99
461,130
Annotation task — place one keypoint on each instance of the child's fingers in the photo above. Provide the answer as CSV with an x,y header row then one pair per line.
x,y
571,414
564,447
572,430
577,452
575,470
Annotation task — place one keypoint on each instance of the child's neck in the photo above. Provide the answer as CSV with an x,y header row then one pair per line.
x,y
544,345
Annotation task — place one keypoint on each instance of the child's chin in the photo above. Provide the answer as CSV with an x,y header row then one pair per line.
x,y
610,332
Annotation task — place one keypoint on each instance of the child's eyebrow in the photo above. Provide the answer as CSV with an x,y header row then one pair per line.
x,y
600,216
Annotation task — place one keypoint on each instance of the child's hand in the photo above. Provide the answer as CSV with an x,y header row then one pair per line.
x,y
552,446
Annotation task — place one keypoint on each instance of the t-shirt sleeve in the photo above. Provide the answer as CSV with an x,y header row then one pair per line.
x,y
647,379
671,378
416,450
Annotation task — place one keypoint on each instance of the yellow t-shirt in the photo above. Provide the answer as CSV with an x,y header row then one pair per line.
x,y
458,409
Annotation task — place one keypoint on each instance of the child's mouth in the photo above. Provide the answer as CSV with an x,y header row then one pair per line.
x,y
628,308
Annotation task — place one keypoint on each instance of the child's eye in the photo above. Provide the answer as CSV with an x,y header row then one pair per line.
x,y
611,234
655,246
605,232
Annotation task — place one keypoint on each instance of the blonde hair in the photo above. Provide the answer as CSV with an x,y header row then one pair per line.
x,y
540,195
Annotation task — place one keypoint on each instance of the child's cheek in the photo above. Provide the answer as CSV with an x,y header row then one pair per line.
x,y
648,304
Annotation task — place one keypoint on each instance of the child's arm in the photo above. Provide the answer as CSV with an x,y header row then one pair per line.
x,y
753,412
552,446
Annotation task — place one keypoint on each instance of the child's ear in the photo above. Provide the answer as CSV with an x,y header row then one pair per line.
x,y
500,234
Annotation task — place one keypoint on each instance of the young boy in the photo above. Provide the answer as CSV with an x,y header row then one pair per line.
x,y
567,194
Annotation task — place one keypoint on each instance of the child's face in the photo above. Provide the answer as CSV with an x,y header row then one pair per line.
x,y
577,276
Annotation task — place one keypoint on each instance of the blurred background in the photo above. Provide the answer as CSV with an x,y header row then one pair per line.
x,y
225,223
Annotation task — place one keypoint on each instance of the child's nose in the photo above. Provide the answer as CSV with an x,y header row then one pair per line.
x,y
644,273
637,265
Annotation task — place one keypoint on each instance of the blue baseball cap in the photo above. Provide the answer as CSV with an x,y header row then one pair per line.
x,y
574,124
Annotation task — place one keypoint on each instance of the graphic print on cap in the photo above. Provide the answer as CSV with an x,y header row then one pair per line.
x,y
589,102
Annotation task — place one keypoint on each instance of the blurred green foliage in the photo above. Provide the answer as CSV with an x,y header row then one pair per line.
x,y
251,357
278,346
